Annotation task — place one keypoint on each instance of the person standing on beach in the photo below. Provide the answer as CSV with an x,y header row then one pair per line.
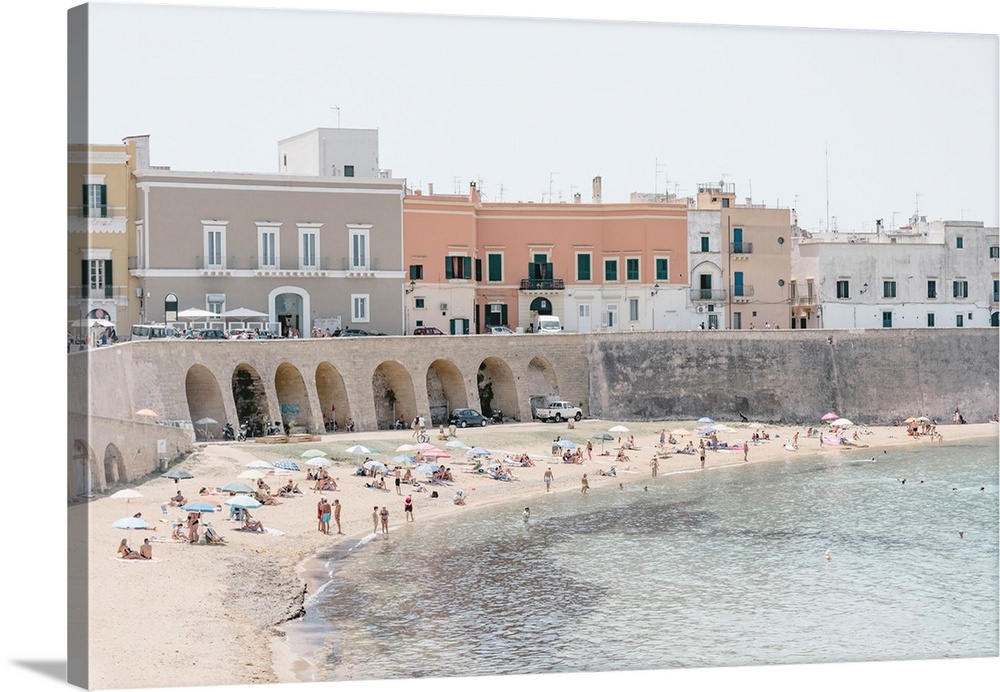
x,y
399,490
525,516
408,508
590,450
325,516
701,452
654,465
663,436
548,478
375,519
384,514
746,449
336,515
319,514
584,484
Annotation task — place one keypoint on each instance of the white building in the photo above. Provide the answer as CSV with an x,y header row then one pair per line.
x,y
936,274
707,297
328,151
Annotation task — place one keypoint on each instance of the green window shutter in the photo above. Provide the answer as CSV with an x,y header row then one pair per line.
x,y
448,273
86,200
466,267
479,270
108,283
495,268
104,200
85,278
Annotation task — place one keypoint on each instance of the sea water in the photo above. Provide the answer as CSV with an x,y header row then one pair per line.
x,y
718,568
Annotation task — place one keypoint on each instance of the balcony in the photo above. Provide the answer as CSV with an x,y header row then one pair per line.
x,y
708,295
543,285
742,293
805,300
79,292
741,248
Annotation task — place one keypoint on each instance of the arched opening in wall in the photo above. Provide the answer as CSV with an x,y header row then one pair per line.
x,y
289,313
333,399
293,398
541,382
81,470
204,400
541,306
392,393
113,465
497,390
995,319
251,400
445,390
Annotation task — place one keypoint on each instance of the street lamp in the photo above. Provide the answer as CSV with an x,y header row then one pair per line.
x,y
652,294
407,290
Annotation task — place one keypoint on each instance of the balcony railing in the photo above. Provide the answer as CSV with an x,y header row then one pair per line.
x,y
712,295
804,300
99,212
542,285
243,262
741,248
742,291
79,292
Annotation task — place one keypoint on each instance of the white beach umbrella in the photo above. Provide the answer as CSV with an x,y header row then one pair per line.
x,y
842,422
618,429
127,494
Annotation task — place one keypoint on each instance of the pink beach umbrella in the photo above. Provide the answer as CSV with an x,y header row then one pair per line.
x,y
830,416
436,454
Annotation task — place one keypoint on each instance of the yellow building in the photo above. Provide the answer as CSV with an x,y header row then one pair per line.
x,y
100,225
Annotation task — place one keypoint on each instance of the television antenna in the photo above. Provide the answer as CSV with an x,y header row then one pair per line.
x,y
335,107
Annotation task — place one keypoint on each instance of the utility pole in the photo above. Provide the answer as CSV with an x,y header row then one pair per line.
x,y
335,107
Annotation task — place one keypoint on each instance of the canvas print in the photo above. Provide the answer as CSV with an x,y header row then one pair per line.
x,y
410,346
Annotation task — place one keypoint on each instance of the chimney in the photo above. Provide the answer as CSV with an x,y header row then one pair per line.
x,y
430,188
576,198
597,190
473,193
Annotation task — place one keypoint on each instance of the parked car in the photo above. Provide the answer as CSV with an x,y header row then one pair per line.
x,y
501,330
426,331
464,417
352,331
209,334
558,411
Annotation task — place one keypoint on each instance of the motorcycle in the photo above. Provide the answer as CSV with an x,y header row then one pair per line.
x,y
228,433
241,436
497,416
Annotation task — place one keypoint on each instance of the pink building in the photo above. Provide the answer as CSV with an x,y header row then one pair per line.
x,y
605,267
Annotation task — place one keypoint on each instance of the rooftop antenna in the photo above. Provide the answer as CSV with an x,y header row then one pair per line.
x,y
656,179
918,196
335,107
458,184
551,175
826,155
894,220
501,192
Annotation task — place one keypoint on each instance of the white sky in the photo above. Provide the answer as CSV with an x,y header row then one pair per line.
x,y
877,123
902,86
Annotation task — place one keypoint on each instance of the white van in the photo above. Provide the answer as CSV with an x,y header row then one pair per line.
x,y
547,324
152,331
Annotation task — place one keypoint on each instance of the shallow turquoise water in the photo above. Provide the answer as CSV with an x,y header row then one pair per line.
x,y
703,569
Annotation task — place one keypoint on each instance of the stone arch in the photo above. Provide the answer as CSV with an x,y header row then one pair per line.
x,y
541,381
299,308
392,393
332,393
82,469
250,398
541,306
293,398
114,467
204,399
445,390
497,388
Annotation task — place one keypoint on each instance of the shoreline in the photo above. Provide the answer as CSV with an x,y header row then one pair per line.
x,y
275,576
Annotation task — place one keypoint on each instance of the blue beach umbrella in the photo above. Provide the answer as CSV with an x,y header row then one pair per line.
x,y
243,502
199,506
131,523
236,487
706,420
286,464
566,444
478,452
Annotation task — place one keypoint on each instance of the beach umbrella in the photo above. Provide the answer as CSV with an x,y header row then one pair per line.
x,y
322,463
436,454
177,474
427,468
236,487
424,446
842,422
706,419
405,448
199,506
456,443
127,494
829,416
478,452
375,466
252,474
312,453
195,314
204,423
130,523
147,413
243,501
681,432
286,464
259,464
719,427
923,419
603,436
403,459
618,429
244,313
566,444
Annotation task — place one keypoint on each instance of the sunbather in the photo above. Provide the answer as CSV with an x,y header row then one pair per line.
x,y
126,553
251,524
177,500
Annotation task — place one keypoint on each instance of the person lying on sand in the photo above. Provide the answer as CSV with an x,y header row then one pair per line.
x,y
177,500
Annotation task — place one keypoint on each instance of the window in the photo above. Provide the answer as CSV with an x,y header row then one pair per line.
x,y
479,269
994,251
583,266
359,237
95,197
792,293
418,303
416,272
888,289
960,289
494,266
738,284
996,290
930,319
215,302
214,248
959,244
96,277
886,319
348,171
931,288
809,291
633,309
611,270
359,308
611,315
704,243
843,289
632,269
307,241
457,267
662,269
268,248
959,320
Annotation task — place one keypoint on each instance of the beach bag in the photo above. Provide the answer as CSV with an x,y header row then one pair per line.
x,y
434,493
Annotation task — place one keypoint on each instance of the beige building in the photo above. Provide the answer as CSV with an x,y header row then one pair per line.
x,y
100,200
299,251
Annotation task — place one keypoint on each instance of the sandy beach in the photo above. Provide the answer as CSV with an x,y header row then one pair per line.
x,y
243,590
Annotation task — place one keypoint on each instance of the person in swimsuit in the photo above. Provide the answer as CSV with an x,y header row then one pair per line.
x,y
584,484
375,520
408,508
336,515
548,479
384,515
146,550
126,553
325,518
